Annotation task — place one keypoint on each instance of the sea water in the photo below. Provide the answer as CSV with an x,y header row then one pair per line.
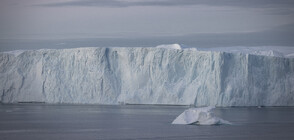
x,y
87,122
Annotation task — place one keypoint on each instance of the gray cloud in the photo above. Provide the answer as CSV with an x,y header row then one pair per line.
x,y
280,11
124,3
288,28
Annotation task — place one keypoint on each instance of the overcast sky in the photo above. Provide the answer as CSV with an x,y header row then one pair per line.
x,y
51,19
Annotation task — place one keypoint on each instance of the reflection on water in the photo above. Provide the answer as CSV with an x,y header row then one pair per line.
x,y
40,121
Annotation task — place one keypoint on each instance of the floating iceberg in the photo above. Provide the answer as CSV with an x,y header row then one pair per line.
x,y
146,76
200,116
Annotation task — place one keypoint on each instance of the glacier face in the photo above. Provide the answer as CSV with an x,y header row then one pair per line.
x,y
146,76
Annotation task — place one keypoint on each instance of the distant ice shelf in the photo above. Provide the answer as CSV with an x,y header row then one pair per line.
x,y
170,74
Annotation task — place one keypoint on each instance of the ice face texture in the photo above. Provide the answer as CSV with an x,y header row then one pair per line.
x,y
146,76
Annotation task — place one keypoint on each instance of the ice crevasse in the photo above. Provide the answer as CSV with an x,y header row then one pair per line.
x,y
146,76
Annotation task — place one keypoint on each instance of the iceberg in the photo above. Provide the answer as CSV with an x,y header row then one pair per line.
x,y
153,75
199,116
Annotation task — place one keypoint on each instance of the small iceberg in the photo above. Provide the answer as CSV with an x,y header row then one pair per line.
x,y
199,116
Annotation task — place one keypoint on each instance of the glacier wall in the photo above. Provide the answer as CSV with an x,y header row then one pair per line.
x,y
146,76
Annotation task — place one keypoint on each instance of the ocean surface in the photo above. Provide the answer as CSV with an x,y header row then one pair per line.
x,y
90,122
196,40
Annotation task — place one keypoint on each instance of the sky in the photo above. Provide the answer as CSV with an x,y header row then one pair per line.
x,y
180,20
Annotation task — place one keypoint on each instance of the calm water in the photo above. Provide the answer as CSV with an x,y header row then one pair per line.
x,y
196,40
87,122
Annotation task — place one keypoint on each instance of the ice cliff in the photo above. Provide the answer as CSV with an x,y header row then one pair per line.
x,y
146,76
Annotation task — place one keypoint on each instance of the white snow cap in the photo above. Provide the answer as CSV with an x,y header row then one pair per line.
x,y
277,51
170,46
200,116
15,52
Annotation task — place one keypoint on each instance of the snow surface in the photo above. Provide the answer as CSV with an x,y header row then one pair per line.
x,y
277,51
170,46
200,116
146,76
15,53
